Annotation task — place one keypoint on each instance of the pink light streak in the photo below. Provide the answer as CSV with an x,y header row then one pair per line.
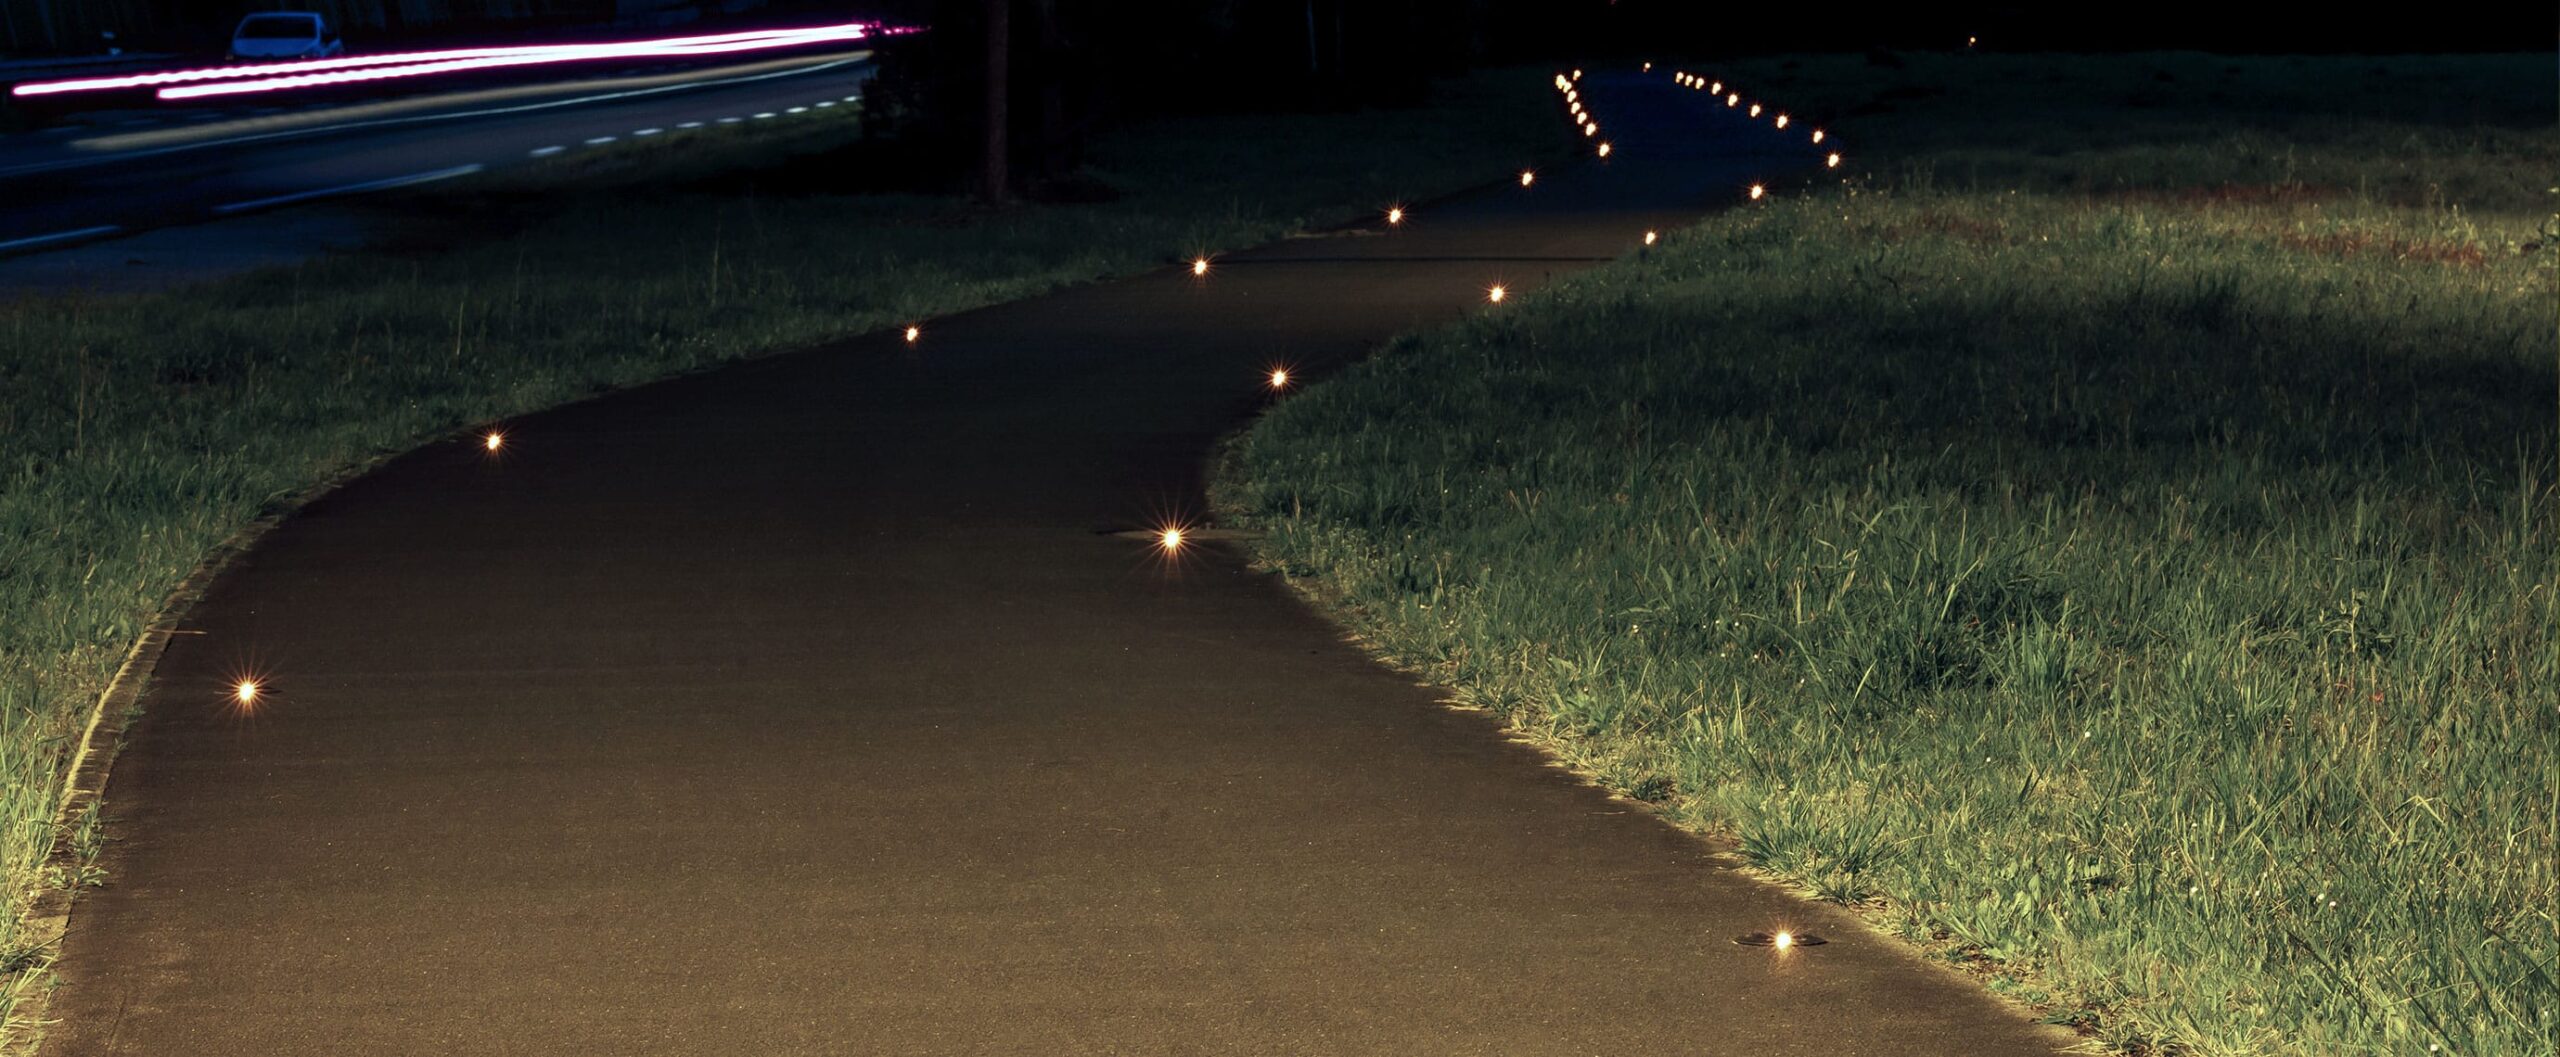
x,y
266,77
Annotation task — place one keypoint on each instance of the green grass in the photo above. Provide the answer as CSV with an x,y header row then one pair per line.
x,y
2125,566
140,431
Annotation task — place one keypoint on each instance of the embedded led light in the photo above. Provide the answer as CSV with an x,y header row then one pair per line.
x,y
1604,150
1648,68
1757,191
1169,538
245,692
1755,110
914,333
1592,129
1733,99
1717,88
1652,237
1279,378
1817,135
1496,293
1528,176
1783,940
1782,121
1832,161
493,440
1395,215
1577,75
1199,266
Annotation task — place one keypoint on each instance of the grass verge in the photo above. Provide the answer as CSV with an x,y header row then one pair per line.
x,y
142,430
2125,566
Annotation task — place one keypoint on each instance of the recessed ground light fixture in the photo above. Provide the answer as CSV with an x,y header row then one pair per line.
x,y
1528,176
1496,293
1833,161
1755,110
1169,538
1199,266
1577,75
1604,150
493,440
1780,940
1717,88
1648,68
244,693
1782,121
914,333
1733,99
1395,215
1279,378
1817,135
1652,237
1757,191
1592,129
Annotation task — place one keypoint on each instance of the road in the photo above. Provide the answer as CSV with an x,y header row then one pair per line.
x,y
63,187
813,706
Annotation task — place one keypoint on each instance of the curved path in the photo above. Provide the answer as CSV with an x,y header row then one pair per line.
x,y
803,707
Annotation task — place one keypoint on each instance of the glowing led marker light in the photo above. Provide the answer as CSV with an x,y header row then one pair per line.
x,y
1652,237
1817,135
1648,68
1528,176
1733,99
1577,75
1170,538
914,333
1199,266
1395,216
1755,110
245,692
1782,121
1832,162
1604,150
1496,293
1757,191
1592,129
1783,940
1279,378
1717,88
493,440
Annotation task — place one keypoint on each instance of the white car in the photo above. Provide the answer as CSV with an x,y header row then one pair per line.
x,y
286,35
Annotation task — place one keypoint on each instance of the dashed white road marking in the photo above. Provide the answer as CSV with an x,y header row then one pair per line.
x,y
601,140
545,152
647,131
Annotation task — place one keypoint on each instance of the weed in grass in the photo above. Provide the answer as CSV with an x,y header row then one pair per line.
x,y
2152,599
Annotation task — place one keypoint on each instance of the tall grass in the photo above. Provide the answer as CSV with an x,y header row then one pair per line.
x,y
137,432
2147,599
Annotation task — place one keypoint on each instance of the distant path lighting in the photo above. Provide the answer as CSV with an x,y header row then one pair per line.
x,y
1782,121
1592,129
1199,266
1577,75
1528,176
1648,68
1652,237
1279,378
1717,88
1757,191
1817,135
1755,110
1733,99
1832,161
1169,538
245,693
1395,215
1604,150
1971,41
1496,293
493,440
914,333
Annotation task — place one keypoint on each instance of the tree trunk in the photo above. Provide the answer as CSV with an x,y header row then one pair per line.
x,y
999,57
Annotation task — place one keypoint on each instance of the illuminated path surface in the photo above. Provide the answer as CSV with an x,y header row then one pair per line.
x,y
799,708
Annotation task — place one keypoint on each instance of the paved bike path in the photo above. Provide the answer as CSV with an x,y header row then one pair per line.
x,y
804,707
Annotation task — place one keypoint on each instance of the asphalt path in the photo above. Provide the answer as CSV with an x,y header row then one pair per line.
x,y
65,187
811,706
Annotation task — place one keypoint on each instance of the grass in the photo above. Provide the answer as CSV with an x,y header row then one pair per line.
x,y
2113,541
143,430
